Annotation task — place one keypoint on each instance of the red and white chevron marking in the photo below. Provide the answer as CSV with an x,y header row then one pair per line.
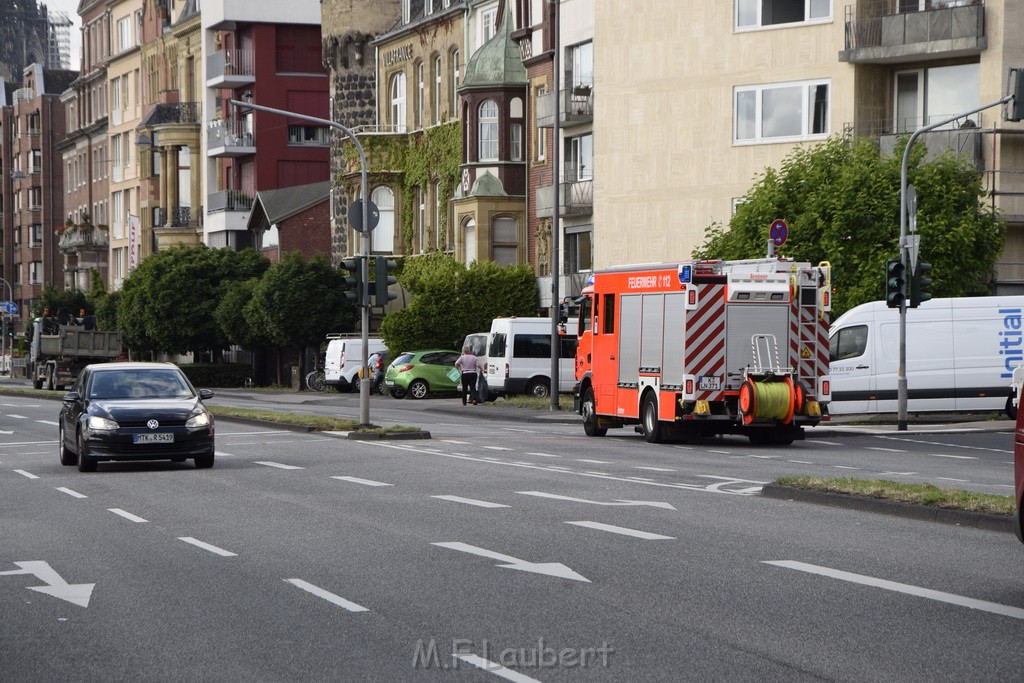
x,y
705,337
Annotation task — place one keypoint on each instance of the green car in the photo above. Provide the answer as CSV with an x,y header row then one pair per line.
x,y
419,373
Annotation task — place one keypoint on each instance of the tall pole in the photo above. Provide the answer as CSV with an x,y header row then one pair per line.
x,y
556,226
5,318
364,276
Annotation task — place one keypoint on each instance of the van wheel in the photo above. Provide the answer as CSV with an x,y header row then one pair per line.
x,y
649,419
418,389
538,388
589,411
1011,410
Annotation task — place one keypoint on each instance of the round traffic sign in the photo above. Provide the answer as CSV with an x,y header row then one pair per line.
x,y
355,215
778,232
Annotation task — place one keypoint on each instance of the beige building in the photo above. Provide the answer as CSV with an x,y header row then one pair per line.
x,y
698,98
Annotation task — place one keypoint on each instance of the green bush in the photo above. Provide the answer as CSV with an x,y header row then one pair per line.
x,y
208,375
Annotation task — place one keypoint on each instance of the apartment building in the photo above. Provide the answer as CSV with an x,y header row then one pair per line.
x,y
272,54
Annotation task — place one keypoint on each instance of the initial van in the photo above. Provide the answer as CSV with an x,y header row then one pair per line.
x,y
519,356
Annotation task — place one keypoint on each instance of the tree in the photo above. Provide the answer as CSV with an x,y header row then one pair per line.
x,y
452,301
61,303
230,314
168,301
841,200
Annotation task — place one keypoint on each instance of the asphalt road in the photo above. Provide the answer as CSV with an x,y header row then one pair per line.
x,y
519,543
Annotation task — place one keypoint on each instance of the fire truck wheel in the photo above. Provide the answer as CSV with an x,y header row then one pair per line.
x,y
538,388
649,419
589,411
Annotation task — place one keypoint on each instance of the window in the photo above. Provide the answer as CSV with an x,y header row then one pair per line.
x,y
581,59
487,122
35,273
308,135
437,89
488,24
609,314
516,142
438,203
849,342
793,111
505,238
406,11
384,233
758,13
124,34
579,158
453,86
421,217
579,251
398,102
421,91
926,95
37,234
470,235
540,135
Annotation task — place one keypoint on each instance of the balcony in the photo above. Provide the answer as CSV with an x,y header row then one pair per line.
x,y
229,200
176,217
962,137
575,107
83,238
24,95
230,69
576,198
227,138
878,33
167,114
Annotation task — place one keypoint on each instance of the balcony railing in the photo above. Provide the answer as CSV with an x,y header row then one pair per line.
x,y
961,137
575,106
877,31
230,68
176,217
166,114
576,198
228,138
83,238
229,200
24,95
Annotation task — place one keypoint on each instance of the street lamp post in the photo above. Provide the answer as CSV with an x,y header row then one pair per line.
x,y
364,383
5,318
556,226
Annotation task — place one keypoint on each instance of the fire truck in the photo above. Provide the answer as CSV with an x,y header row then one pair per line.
x,y
698,348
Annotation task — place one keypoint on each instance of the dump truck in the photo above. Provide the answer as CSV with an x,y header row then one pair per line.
x,y
59,352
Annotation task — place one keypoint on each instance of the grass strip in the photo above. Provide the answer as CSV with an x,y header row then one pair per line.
x,y
320,423
918,494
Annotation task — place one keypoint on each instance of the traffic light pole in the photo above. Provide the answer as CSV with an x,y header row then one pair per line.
x,y
364,382
901,386
5,319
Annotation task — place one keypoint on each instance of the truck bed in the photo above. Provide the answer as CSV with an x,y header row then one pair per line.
x,y
77,341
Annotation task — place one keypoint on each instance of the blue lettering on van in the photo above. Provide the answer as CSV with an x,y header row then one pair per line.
x,y
1012,339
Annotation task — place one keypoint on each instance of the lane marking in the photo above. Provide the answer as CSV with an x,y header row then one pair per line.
x,y
68,491
364,482
17,417
545,455
460,443
26,443
206,546
885,450
900,474
801,462
222,454
524,431
845,467
654,469
646,535
26,474
593,462
327,595
617,503
728,479
496,448
949,445
950,598
711,450
127,515
640,478
278,465
958,457
496,669
762,457
471,501
276,431
962,481
824,443
600,474
48,422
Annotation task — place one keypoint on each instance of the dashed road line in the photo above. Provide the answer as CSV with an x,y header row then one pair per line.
x,y
28,475
471,501
74,494
51,423
623,531
278,465
127,515
545,455
885,450
957,457
206,546
17,417
961,481
327,595
593,462
364,482
845,467
497,448
801,462
495,668
654,469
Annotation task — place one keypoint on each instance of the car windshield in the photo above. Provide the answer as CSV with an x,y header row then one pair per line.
x,y
139,384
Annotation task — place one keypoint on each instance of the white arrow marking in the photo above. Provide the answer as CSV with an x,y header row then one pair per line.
x,y
951,598
78,593
646,535
496,669
278,465
471,501
327,595
364,482
26,474
548,568
617,503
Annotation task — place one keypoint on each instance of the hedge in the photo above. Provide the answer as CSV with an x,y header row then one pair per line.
x,y
208,375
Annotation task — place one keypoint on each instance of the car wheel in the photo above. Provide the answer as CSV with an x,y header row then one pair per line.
x,y
539,388
1011,410
587,407
85,463
418,389
397,392
649,419
67,456
204,461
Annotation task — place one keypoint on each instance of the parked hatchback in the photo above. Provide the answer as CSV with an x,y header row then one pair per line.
x,y
419,373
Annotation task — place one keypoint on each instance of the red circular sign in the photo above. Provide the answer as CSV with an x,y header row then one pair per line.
x,y
778,232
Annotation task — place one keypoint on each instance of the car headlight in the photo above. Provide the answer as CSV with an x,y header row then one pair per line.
x,y
101,424
200,419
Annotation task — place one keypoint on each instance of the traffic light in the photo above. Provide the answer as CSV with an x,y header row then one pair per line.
x,y
354,282
382,285
1015,111
895,283
919,284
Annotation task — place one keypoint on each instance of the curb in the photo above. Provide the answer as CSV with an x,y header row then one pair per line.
x,y
376,436
975,520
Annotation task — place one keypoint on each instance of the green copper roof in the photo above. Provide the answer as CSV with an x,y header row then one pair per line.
x,y
487,186
498,62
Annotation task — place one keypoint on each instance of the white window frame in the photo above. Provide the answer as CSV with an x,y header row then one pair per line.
x,y
515,150
756,7
455,84
488,131
384,234
421,94
540,134
437,89
488,24
397,90
806,114
124,34
406,11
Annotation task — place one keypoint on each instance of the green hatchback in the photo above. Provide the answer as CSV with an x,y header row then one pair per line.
x,y
420,373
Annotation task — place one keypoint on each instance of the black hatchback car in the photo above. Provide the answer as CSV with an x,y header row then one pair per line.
x,y
134,411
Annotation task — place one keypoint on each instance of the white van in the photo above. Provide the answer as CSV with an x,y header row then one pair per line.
x,y
343,359
519,357
961,354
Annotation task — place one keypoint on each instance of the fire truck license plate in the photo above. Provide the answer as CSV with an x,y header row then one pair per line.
x,y
710,383
153,438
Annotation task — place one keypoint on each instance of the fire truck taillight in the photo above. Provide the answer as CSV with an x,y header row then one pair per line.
x,y
689,387
691,297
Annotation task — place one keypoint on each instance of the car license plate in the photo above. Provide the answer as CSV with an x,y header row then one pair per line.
x,y
389,383
713,383
153,438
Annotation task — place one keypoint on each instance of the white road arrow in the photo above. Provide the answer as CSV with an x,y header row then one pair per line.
x,y
78,593
617,503
549,568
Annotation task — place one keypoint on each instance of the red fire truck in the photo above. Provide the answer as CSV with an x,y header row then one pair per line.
x,y
697,348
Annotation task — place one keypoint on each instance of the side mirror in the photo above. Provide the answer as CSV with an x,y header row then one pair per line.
x,y
205,394
71,397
